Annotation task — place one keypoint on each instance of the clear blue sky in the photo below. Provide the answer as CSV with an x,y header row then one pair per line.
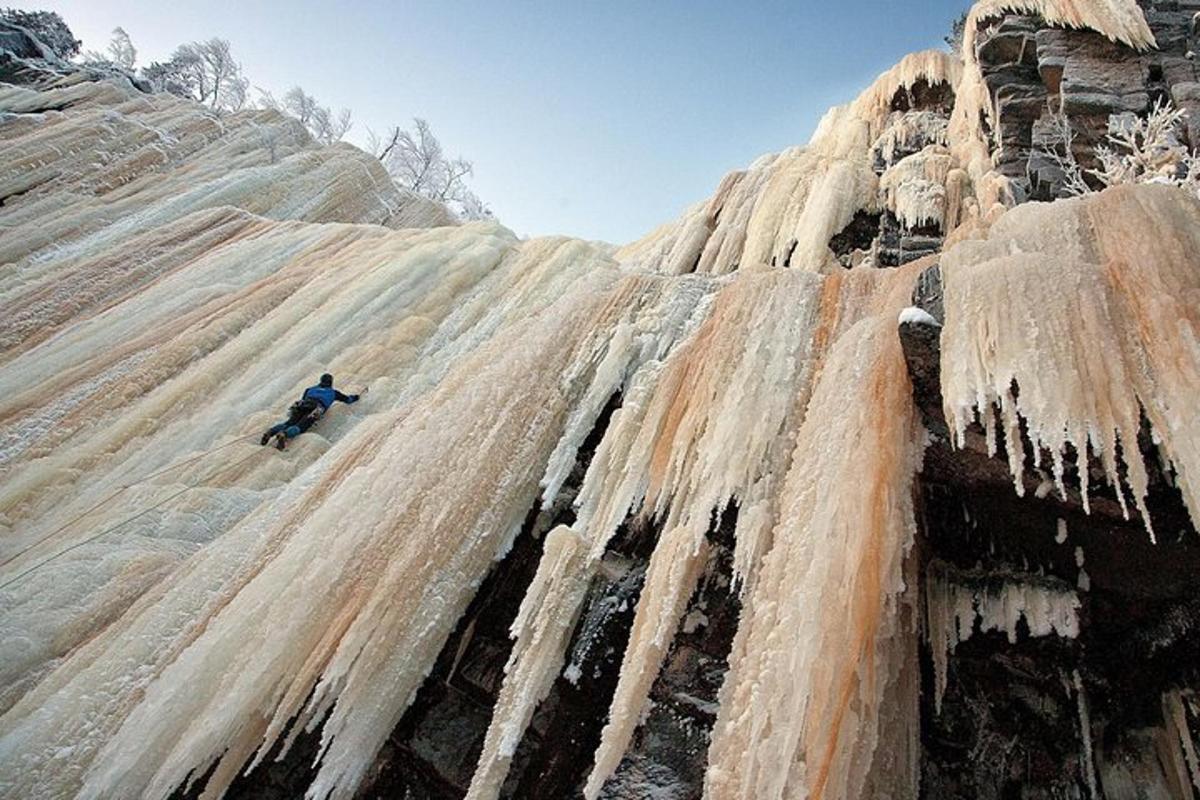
x,y
596,119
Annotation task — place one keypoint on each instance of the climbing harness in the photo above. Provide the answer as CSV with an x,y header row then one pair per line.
x,y
316,415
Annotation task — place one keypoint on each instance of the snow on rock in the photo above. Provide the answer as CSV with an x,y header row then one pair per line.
x,y
918,316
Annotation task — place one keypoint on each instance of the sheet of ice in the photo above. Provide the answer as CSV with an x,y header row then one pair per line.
x,y
812,704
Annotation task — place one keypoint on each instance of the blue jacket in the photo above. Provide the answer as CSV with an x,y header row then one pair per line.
x,y
325,395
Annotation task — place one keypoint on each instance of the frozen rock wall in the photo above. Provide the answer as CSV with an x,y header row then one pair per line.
x,y
714,513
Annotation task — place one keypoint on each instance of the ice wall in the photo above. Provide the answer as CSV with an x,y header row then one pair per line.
x,y
173,279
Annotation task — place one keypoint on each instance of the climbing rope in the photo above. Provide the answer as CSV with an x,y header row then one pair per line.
x,y
113,495
127,520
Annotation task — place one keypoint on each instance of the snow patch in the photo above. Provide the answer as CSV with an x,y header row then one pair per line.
x,y
918,316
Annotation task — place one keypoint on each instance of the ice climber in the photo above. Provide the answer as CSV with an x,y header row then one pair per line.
x,y
305,412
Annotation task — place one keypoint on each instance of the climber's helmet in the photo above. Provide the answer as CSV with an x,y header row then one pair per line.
x,y
326,380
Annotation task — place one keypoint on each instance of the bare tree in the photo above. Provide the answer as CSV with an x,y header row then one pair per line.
x,y
300,105
205,71
120,53
121,50
957,30
325,126
334,127
472,208
379,147
416,161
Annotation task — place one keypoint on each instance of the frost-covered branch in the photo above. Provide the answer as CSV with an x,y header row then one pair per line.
x,y
1136,150
416,161
324,125
204,71
120,54
1058,147
1144,150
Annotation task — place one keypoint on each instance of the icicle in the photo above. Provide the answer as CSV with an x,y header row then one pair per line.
x,y
1175,716
915,188
1002,328
820,622
675,568
541,639
952,609
710,424
904,129
1085,736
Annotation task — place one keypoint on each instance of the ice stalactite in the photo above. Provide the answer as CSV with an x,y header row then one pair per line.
x,y
1121,261
1175,715
954,605
814,657
712,462
905,129
915,188
541,638
675,569
1085,735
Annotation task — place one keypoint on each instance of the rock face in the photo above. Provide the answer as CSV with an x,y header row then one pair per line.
x,y
854,482
1033,70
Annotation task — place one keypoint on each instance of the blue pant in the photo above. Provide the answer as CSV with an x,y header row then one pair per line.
x,y
291,429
